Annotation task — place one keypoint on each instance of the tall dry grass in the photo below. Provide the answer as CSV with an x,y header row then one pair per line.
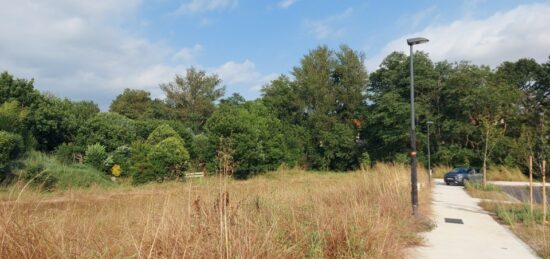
x,y
284,214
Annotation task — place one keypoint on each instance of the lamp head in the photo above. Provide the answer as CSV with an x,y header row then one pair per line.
x,y
430,122
415,41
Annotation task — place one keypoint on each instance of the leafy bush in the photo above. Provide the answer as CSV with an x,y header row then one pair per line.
x,y
365,160
11,147
95,155
69,152
169,157
258,140
161,133
111,130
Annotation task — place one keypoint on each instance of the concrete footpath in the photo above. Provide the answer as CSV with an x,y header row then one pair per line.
x,y
480,236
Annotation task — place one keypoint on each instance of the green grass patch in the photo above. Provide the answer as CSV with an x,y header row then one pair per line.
x,y
49,174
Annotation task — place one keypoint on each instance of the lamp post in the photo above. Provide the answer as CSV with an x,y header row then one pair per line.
x,y
429,160
414,190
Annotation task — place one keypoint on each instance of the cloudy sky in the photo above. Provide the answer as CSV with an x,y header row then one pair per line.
x,y
92,50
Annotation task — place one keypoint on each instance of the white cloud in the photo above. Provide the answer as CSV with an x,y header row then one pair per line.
x,y
330,27
517,33
286,3
199,6
244,73
232,72
188,55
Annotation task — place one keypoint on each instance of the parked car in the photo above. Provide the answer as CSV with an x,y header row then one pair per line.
x,y
462,174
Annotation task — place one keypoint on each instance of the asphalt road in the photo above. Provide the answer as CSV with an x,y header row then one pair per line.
x,y
480,236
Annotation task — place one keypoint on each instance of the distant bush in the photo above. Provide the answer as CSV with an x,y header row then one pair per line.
x,y
111,130
161,133
11,147
95,156
169,158
69,153
365,160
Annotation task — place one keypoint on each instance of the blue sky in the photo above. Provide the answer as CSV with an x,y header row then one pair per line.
x,y
95,49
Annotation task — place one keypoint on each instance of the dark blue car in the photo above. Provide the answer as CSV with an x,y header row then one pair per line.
x,y
462,174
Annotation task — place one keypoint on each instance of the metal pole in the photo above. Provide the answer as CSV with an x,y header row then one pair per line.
x,y
544,201
429,160
531,183
414,180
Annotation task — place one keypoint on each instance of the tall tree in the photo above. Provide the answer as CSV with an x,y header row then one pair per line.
x,y
133,103
193,96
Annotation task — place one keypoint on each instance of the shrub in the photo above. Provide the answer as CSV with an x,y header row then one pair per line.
x,y
365,160
143,173
116,170
95,155
111,130
11,147
169,157
69,153
161,133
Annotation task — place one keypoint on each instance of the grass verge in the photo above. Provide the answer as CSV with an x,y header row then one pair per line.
x,y
525,224
284,214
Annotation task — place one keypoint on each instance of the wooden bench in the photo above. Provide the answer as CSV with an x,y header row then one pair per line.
x,y
194,174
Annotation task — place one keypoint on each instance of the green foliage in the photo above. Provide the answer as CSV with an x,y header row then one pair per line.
x,y
95,156
193,96
328,92
169,158
520,214
69,152
111,130
49,174
11,147
13,116
133,103
161,133
255,136
20,90
365,160
54,121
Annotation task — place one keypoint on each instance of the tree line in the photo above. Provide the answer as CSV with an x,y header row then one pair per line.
x,y
328,114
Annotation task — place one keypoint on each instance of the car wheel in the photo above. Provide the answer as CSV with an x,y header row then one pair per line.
x,y
447,183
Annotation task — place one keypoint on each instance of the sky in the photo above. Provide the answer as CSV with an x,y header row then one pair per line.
x,y
93,50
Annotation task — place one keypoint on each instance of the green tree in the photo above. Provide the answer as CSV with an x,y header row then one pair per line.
x,y
20,90
255,137
161,133
11,147
133,103
193,96
111,130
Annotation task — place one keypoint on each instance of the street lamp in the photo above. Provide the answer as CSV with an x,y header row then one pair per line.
x,y
414,180
429,161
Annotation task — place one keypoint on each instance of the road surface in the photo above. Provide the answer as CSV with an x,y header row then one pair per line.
x,y
480,236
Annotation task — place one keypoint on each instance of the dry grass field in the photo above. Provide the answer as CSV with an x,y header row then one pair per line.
x,y
283,214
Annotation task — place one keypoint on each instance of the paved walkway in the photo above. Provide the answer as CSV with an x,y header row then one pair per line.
x,y
479,237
